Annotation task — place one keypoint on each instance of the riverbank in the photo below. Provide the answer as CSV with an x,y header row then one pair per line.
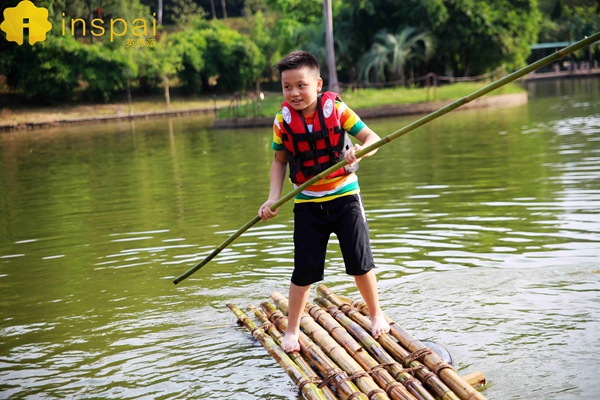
x,y
579,73
499,100
19,117
370,103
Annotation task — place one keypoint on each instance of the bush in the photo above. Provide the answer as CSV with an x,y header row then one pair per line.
x,y
233,57
192,50
104,71
45,72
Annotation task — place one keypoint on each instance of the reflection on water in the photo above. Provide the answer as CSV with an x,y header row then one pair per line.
x,y
484,226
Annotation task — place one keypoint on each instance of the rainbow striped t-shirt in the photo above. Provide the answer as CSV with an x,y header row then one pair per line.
x,y
325,189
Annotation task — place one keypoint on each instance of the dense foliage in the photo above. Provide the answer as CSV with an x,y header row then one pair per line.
x,y
205,52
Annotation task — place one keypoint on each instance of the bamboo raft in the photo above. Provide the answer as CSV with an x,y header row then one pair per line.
x,y
339,359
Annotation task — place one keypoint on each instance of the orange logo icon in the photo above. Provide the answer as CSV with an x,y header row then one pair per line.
x,y
26,15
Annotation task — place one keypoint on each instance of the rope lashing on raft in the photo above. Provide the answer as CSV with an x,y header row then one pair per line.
x,y
304,381
356,394
392,386
340,377
345,377
440,366
265,327
375,391
415,355
390,364
328,379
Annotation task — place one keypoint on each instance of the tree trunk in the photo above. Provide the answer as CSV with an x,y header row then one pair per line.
x,y
91,18
333,81
160,12
467,58
455,68
205,85
167,96
212,9
224,9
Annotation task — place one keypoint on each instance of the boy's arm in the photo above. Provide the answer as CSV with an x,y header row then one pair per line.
x,y
367,137
278,171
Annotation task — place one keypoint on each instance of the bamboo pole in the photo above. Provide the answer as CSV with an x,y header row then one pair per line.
x,y
410,127
337,353
475,379
336,377
383,378
386,350
308,388
457,384
269,328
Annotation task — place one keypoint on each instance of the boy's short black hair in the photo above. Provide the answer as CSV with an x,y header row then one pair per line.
x,y
298,59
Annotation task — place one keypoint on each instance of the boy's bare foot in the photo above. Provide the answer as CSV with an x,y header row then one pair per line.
x,y
290,343
379,326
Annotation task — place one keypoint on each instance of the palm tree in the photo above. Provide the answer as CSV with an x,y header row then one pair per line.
x,y
390,53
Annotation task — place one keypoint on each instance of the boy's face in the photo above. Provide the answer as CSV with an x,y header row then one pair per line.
x,y
300,88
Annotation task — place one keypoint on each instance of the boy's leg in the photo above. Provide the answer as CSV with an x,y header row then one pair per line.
x,y
311,235
367,286
297,301
353,235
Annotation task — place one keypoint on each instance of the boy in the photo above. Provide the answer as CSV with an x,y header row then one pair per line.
x,y
309,134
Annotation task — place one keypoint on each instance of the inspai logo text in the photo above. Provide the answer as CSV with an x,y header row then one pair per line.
x,y
26,18
117,27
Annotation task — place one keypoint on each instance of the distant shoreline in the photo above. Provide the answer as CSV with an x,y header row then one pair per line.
x,y
104,118
581,73
499,100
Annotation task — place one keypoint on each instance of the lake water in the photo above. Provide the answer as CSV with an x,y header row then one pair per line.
x,y
485,225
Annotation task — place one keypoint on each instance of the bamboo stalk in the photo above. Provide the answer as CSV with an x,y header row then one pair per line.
x,y
432,360
269,328
386,350
337,378
475,379
379,373
410,127
461,388
308,389
337,353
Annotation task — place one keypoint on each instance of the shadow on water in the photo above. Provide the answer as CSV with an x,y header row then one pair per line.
x,y
484,226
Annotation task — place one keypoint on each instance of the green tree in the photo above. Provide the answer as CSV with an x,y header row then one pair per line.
x,y
255,6
583,21
481,35
168,62
357,22
390,53
268,44
564,24
185,11
292,15
232,58
191,45
46,73
103,71
304,12
313,40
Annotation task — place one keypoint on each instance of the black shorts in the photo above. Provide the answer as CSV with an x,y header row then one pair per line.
x,y
314,222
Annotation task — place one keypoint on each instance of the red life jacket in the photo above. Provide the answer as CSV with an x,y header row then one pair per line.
x,y
309,153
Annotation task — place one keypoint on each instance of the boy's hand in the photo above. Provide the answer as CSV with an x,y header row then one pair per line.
x,y
265,210
351,154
